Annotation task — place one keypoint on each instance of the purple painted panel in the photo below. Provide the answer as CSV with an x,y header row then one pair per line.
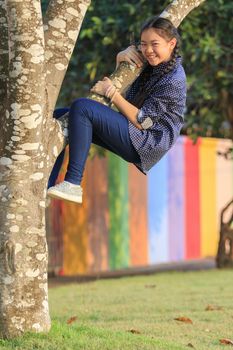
x,y
176,201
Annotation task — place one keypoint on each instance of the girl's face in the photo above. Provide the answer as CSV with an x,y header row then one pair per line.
x,y
155,48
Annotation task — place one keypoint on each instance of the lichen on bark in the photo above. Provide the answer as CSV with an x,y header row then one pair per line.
x,y
27,154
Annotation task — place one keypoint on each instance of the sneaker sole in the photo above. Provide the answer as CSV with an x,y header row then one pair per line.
x,y
64,196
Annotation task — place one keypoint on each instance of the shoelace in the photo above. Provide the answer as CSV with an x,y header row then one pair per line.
x,y
68,186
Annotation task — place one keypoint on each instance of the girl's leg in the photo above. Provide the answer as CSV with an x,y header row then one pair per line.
x,y
91,121
57,166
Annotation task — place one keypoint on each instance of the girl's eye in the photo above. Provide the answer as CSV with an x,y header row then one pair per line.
x,y
142,45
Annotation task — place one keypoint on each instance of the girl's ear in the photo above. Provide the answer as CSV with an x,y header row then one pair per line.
x,y
173,42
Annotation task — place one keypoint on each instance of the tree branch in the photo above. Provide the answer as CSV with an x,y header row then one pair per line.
x,y
122,78
62,24
179,9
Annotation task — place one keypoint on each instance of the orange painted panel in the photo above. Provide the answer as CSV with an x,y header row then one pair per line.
x,y
75,236
138,217
62,172
97,214
74,227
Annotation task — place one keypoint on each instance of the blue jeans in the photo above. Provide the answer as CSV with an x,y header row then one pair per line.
x,y
92,122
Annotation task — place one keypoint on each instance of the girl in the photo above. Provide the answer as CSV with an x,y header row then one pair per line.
x,y
150,117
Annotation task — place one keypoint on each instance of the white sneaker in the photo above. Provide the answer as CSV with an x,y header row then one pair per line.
x,y
66,190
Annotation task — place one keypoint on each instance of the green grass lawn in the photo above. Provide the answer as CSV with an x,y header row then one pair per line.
x,y
106,310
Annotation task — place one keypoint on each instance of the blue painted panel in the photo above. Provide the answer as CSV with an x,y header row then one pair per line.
x,y
158,212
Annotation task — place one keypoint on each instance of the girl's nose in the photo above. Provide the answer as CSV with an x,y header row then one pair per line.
x,y
149,48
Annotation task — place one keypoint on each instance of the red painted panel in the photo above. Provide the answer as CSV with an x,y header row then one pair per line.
x,y
192,205
138,217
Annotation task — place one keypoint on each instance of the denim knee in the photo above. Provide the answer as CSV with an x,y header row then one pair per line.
x,y
81,104
83,108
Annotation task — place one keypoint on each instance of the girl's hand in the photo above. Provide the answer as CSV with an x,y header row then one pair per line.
x,y
130,55
102,86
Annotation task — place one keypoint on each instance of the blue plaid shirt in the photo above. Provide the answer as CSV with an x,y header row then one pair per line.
x,y
164,109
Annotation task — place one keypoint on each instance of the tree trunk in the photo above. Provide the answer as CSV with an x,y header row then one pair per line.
x,y
227,106
33,63
32,68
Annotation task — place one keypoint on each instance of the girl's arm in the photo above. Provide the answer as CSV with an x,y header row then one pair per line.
x,y
130,55
105,88
126,108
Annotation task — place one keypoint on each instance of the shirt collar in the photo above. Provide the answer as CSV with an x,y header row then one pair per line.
x,y
157,70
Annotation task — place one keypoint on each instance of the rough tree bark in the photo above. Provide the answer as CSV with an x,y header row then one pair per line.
x,y
33,62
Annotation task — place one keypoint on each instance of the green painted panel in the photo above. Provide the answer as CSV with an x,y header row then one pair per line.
x,y
118,212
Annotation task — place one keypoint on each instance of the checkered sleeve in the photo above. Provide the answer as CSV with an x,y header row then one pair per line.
x,y
159,104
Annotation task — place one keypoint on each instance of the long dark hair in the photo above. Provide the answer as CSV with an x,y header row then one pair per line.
x,y
166,30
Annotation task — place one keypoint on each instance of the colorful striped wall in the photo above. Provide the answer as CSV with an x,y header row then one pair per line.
x,y
129,219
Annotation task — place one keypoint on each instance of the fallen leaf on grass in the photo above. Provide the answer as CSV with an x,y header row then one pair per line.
x,y
183,319
213,308
71,320
150,285
226,341
134,331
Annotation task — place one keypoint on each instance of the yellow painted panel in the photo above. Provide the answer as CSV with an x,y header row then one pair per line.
x,y
208,210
